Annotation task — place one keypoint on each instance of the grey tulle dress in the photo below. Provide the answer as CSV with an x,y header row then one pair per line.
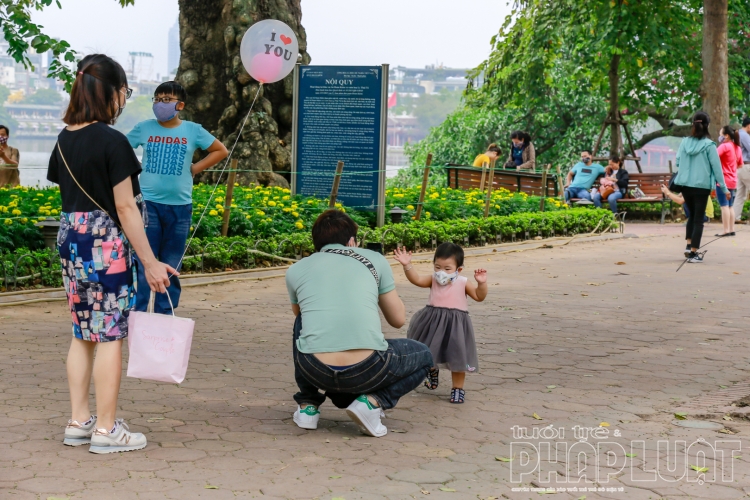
x,y
445,327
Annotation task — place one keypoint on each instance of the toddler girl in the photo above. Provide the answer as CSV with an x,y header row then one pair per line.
x,y
444,325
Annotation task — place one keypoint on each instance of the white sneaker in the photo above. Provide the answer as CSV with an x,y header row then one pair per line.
x,y
77,434
102,441
367,417
307,418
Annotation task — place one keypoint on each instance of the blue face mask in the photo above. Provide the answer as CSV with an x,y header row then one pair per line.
x,y
165,111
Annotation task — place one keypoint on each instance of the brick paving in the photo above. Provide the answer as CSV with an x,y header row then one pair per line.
x,y
566,334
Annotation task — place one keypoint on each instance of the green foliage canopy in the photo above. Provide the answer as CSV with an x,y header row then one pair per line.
x,y
548,74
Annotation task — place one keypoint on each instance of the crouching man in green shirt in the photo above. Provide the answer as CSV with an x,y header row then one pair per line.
x,y
340,348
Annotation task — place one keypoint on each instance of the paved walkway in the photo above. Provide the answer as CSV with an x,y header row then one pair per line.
x,y
574,337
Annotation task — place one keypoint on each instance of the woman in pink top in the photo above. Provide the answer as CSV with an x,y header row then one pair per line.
x,y
444,325
730,155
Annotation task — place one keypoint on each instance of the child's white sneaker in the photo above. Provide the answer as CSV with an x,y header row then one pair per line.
x,y
367,417
307,417
77,434
103,441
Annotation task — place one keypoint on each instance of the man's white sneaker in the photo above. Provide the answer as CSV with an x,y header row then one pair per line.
x,y
367,417
307,417
77,434
102,441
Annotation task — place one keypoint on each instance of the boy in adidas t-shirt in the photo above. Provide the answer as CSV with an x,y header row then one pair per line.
x,y
167,183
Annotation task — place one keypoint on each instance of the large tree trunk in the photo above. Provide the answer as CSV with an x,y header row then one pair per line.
x,y
615,144
715,85
220,91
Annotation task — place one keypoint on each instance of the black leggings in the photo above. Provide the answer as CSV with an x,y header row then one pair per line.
x,y
696,200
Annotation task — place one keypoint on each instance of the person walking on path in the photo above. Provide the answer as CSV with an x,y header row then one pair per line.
x,y
444,325
338,345
167,182
617,178
9,158
730,155
699,170
100,226
743,173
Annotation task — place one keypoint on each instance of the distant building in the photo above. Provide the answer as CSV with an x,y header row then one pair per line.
x,y
173,49
14,76
35,120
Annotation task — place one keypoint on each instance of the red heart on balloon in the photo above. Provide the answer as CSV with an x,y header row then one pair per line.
x,y
286,39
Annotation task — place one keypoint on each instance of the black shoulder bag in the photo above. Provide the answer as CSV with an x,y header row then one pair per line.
x,y
361,258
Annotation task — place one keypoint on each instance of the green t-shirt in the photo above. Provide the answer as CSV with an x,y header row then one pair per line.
x,y
338,300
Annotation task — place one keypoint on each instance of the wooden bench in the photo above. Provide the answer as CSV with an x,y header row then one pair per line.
x,y
650,184
467,177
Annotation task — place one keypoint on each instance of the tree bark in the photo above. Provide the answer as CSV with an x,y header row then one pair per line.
x,y
220,91
615,141
715,85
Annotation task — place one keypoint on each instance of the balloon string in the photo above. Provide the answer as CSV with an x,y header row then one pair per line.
x,y
218,181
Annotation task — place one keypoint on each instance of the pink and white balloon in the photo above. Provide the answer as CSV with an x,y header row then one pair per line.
x,y
269,50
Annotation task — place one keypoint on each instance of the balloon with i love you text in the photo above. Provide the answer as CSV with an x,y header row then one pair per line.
x,y
269,50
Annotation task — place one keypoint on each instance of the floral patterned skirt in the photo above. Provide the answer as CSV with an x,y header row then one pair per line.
x,y
98,275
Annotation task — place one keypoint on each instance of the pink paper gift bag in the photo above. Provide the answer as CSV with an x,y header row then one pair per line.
x,y
159,345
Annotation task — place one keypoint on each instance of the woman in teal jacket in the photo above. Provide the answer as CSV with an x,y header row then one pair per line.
x,y
699,171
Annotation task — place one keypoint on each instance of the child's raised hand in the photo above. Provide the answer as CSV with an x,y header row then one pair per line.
x,y
480,275
402,256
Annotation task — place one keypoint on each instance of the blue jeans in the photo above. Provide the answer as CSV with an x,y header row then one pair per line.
x,y
612,199
167,232
384,375
722,198
576,192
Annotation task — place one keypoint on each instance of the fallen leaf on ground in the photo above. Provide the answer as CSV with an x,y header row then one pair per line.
x,y
503,459
58,498
604,424
537,416
398,431
631,455
735,272
699,469
443,488
335,477
211,487
581,497
727,417
680,415
585,294
725,431
425,492
736,456
722,387
345,438
595,284
619,263
510,349
551,386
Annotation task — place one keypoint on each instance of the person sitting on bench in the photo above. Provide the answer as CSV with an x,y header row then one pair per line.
x,y
581,177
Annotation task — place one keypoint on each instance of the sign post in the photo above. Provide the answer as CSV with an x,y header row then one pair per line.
x,y
340,114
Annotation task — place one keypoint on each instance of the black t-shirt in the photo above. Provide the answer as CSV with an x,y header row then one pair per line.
x,y
100,158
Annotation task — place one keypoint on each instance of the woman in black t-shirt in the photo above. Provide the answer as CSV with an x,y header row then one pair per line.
x,y
100,227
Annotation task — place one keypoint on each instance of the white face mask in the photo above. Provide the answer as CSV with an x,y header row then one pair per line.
x,y
444,278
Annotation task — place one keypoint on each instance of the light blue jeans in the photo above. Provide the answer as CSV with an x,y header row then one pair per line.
x,y
576,192
612,199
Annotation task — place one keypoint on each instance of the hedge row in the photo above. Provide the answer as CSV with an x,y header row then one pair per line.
x,y
41,268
